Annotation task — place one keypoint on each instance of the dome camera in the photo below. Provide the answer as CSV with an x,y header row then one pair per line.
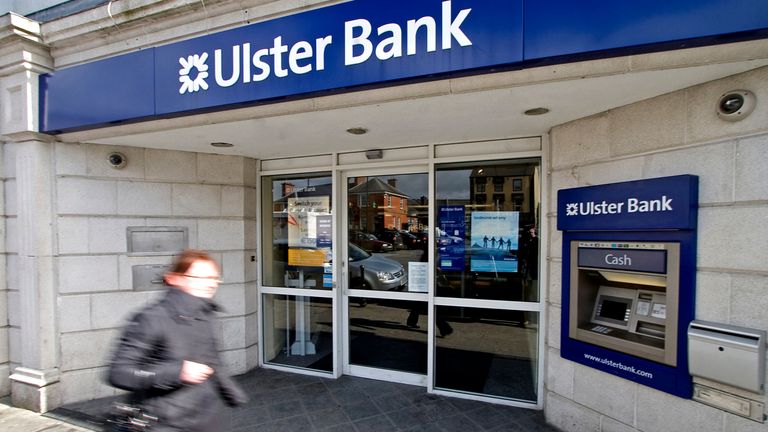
x,y
117,160
736,105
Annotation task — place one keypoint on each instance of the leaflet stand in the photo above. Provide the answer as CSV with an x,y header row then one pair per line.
x,y
303,344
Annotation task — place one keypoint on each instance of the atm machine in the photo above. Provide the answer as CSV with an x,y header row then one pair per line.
x,y
629,265
627,297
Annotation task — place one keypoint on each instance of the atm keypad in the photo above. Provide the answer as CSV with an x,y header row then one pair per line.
x,y
601,329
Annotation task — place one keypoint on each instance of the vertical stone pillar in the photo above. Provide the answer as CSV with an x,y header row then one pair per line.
x,y
34,383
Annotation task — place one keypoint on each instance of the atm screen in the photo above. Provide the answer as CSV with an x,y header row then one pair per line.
x,y
615,310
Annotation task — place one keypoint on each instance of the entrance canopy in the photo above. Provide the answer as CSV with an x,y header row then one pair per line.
x,y
472,108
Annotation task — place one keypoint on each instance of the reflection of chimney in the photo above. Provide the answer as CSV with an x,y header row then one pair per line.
x,y
358,180
288,188
392,182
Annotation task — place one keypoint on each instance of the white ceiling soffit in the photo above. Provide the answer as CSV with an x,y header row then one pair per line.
x,y
482,115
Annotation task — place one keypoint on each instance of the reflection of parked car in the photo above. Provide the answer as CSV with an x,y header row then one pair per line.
x,y
375,271
411,241
423,236
393,237
369,242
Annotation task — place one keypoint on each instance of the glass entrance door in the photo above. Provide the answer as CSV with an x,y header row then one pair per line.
x,y
385,275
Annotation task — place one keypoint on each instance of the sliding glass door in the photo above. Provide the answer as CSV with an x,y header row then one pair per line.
x,y
385,274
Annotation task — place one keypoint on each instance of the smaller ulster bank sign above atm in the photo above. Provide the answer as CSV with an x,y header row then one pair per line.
x,y
660,203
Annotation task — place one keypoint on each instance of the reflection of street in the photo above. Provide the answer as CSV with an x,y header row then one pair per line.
x,y
500,337
379,337
387,318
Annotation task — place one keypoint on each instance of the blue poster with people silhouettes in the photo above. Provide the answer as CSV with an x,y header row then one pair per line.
x,y
493,244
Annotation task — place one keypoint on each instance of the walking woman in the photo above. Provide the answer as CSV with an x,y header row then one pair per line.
x,y
167,356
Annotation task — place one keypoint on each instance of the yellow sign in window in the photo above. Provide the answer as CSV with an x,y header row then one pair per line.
x,y
306,257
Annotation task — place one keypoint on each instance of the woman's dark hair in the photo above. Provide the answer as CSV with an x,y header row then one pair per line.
x,y
183,262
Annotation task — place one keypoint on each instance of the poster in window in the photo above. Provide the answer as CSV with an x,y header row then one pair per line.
x,y
324,231
307,236
450,238
493,244
417,276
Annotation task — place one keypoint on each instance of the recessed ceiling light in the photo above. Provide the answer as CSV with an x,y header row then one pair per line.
x,y
357,131
222,144
536,111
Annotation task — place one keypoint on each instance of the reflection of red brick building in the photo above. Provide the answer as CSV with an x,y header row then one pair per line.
x,y
375,205
418,214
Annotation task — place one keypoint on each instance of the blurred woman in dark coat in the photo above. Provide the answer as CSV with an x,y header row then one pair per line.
x,y
167,356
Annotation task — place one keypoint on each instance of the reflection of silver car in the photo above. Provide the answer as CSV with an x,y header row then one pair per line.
x,y
378,272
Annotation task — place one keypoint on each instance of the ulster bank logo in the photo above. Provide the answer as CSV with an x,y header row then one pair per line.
x,y
572,209
193,73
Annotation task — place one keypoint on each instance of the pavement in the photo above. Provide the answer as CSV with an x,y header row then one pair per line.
x,y
20,420
288,402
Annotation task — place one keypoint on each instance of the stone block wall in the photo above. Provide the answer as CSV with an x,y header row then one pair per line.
x,y
213,196
676,133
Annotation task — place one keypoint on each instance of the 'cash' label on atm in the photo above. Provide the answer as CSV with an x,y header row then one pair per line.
x,y
651,261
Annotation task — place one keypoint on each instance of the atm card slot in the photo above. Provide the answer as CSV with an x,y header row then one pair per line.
x,y
650,329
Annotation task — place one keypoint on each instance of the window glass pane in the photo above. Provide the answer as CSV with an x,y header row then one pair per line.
x,y
487,246
298,331
488,352
388,334
297,244
387,235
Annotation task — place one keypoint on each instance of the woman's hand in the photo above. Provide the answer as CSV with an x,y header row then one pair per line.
x,y
194,373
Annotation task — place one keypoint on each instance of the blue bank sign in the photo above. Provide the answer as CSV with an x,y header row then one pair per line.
x,y
357,45
369,42
338,47
661,203
346,45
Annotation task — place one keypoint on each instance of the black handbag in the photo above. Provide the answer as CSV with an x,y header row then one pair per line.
x,y
129,418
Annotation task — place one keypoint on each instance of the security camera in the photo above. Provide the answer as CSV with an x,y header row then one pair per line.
x,y
117,160
736,105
